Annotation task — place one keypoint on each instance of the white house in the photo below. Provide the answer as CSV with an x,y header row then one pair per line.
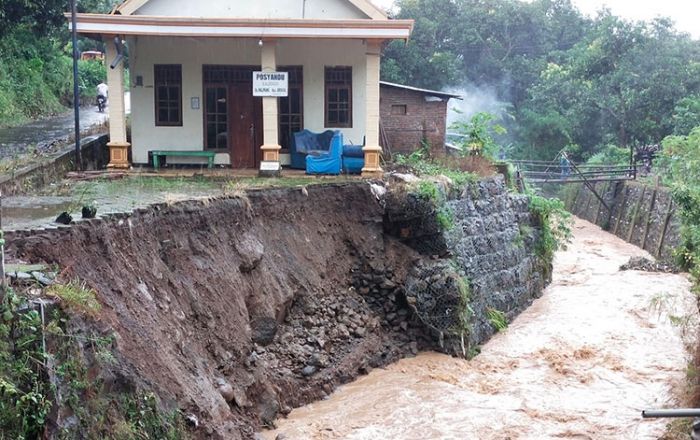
x,y
191,68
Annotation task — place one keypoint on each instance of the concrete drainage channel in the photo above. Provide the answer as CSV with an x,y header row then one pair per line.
x,y
268,300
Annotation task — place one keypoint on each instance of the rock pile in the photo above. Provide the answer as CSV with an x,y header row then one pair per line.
x,y
647,265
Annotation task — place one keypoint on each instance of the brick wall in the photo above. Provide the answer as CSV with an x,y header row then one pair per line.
x,y
422,120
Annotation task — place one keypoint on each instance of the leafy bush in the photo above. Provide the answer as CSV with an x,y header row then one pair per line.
x,y
687,199
480,131
555,224
679,164
90,74
34,75
610,155
431,192
24,390
679,161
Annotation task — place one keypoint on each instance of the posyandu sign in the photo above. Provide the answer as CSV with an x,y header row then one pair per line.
x,y
270,84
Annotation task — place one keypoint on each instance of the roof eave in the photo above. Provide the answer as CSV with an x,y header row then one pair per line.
x,y
424,91
92,24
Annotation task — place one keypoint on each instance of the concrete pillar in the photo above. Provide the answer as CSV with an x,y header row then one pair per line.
x,y
270,164
118,146
372,149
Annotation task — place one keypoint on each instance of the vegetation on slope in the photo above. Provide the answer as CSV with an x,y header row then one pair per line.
x,y
36,59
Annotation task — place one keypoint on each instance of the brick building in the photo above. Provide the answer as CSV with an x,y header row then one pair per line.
x,y
409,114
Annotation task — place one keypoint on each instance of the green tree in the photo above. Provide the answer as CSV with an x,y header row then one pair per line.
x,y
686,115
569,79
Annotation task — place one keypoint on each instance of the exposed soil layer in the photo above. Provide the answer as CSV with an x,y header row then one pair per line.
x,y
248,293
237,309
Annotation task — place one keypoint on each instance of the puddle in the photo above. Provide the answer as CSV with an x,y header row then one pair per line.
x,y
18,212
123,195
581,363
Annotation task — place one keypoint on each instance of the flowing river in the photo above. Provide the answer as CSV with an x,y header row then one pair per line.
x,y
582,362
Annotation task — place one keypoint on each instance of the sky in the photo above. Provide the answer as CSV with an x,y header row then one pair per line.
x,y
686,13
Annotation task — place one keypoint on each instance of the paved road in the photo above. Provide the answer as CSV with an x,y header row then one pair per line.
x,y
19,140
16,141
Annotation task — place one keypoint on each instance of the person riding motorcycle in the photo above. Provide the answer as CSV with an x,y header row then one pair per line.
x,y
102,92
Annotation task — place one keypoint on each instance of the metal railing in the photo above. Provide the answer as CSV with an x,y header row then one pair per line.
x,y
553,172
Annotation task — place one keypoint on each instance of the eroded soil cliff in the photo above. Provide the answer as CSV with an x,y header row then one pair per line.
x,y
237,309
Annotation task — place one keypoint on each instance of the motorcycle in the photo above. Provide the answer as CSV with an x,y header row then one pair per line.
x,y
101,103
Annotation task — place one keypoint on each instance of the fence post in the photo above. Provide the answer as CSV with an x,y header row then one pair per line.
x,y
633,222
669,212
651,210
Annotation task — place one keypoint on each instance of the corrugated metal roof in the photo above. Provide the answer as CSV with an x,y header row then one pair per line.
x,y
425,91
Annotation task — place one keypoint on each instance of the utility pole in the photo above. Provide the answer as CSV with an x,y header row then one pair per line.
x,y
76,89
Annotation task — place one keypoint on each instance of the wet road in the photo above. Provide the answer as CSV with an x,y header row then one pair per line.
x,y
18,140
600,346
15,141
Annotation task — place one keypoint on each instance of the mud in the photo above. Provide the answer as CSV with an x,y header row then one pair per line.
x,y
582,362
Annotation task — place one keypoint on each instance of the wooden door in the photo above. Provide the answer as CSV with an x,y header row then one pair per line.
x,y
245,126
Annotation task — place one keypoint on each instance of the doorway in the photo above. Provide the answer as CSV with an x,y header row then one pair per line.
x,y
232,115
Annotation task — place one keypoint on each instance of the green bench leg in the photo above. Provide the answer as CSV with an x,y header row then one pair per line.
x,y
156,162
210,162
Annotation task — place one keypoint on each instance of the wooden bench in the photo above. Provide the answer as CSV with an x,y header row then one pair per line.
x,y
180,153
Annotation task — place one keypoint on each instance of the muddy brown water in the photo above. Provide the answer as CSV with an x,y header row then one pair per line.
x,y
582,362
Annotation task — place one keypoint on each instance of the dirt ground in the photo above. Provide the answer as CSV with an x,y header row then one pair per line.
x,y
294,327
600,346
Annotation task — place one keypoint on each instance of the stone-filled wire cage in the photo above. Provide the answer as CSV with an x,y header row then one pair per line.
x,y
439,296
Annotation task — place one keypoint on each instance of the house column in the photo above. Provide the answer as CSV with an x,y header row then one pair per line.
x,y
270,164
118,146
372,149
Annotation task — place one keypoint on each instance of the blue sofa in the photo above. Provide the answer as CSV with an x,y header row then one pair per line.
x,y
324,153
326,162
305,142
353,159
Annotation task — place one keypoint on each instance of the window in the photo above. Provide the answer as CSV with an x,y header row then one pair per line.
x,y
339,97
291,107
168,94
216,117
398,109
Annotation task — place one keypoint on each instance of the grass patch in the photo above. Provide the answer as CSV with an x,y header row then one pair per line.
x,y
283,182
555,223
678,429
427,167
76,297
431,192
465,292
445,218
127,185
497,319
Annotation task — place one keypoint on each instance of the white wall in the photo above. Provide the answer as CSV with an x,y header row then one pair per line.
x,y
193,53
315,9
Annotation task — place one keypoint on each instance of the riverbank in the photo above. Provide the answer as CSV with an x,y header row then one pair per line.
x,y
263,300
582,362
